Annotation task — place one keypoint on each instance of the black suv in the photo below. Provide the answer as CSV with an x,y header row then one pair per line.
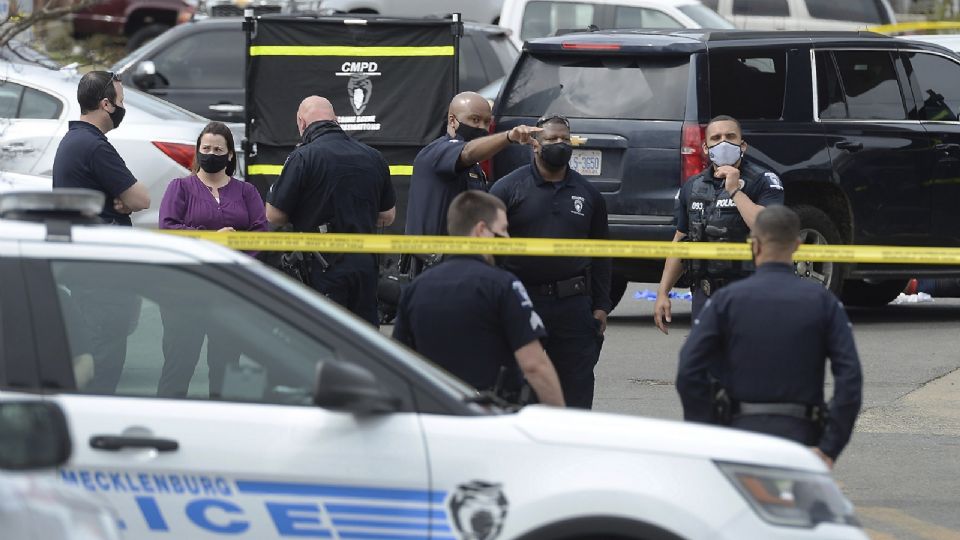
x,y
862,129
199,65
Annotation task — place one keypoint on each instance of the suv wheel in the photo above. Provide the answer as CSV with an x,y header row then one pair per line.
x,y
872,293
816,228
144,35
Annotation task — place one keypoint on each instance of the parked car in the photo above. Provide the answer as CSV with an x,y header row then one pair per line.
x,y
861,128
18,52
138,20
482,11
156,140
804,14
530,19
199,65
326,428
34,440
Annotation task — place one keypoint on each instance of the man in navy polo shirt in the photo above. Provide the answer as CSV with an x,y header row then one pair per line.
x,y
546,199
86,159
450,165
474,319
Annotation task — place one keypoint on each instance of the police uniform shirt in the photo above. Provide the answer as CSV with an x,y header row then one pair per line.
x,y
86,159
333,179
766,339
571,208
437,179
760,185
468,317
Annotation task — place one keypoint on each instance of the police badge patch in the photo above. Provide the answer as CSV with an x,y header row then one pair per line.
x,y
359,88
577,205
479,510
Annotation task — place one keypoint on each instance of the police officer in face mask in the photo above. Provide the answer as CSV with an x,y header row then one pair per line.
x,y
720,204
547,199
450,165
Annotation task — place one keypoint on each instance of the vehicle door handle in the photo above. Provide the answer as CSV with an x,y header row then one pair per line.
x,y
114,443
948,148
850,146
227,108
17,148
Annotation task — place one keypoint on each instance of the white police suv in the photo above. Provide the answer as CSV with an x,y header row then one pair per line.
x,y
311,424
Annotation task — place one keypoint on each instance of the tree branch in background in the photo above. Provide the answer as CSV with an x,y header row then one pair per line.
x,y
13,25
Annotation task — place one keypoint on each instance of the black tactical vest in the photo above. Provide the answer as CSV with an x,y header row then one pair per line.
x,y
713,217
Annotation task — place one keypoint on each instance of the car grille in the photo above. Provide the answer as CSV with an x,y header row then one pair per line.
x,y
230,10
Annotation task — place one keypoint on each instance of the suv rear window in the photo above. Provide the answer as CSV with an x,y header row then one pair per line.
x,y
748,86
868,11
599,87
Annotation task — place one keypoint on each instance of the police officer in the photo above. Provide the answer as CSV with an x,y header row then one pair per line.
x,y
764,341
449,165
474,319
332,183
86,159
719,204
547,199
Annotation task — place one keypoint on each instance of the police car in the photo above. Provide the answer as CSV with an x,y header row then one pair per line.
x,y
324,428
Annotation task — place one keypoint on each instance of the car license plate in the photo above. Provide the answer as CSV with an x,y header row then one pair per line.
x,y
586,162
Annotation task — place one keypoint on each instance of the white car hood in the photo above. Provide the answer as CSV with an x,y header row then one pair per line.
x,y
589,429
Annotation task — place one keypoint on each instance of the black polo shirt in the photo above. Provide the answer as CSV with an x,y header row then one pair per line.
x,y
571,208
767,338
333,179
437,179
86,159
468,317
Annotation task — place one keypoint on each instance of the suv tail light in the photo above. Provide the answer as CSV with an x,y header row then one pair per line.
x,y
692,159
179,152
568,46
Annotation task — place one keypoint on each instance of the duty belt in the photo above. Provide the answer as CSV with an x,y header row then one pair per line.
x,y
574,286
797,410
710,286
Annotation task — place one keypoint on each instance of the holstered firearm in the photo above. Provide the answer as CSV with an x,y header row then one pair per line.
x,y
720,403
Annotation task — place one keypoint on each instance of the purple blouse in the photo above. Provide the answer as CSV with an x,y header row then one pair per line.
x,y
189,204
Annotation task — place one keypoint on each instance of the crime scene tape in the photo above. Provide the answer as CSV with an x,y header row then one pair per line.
x,y
550,247
275,170
914,26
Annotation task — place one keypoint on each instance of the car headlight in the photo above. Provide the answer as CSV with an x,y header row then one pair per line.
x,y
789,497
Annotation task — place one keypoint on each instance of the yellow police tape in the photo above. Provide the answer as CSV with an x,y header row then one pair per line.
x,y
275,170
547,247
915,26
348,50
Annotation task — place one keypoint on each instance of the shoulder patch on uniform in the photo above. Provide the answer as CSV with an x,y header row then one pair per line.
x,y
773,180
522,293
536,322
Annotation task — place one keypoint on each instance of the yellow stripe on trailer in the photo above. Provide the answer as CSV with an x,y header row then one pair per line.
x,y
354,51
549,247
275,170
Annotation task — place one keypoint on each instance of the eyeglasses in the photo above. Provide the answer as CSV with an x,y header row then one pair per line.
x,y
549,119
113,77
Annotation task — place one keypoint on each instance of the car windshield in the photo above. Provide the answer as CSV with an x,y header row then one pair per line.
x,y
704,16
162,110
599,87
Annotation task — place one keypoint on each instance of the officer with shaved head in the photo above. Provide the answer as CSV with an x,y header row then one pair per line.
x,y
450,165
332,183
756,355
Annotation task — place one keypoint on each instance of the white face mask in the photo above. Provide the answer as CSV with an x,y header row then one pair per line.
x,y
725,153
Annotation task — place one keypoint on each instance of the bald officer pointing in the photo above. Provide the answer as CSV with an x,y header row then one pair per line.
x,y
450,165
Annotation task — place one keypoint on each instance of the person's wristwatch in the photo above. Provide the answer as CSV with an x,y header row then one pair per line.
x,y
732,195
509,140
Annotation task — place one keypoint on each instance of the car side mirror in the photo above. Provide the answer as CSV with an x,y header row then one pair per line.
x,y
346,387
33,435
145,75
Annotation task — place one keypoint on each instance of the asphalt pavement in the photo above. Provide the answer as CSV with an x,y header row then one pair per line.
x,y
902,467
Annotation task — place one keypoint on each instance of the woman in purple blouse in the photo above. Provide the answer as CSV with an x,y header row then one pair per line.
x,y
210,199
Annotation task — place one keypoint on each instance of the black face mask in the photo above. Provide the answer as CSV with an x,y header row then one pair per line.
x,y
117,115
469,133
213,163
557,155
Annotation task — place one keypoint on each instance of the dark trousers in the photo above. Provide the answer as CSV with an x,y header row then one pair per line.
x,y
111,316
698,300
789,427
573,344
352,283
183,333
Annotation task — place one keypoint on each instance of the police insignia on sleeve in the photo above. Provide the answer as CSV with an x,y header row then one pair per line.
x,y
774,180
479,510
